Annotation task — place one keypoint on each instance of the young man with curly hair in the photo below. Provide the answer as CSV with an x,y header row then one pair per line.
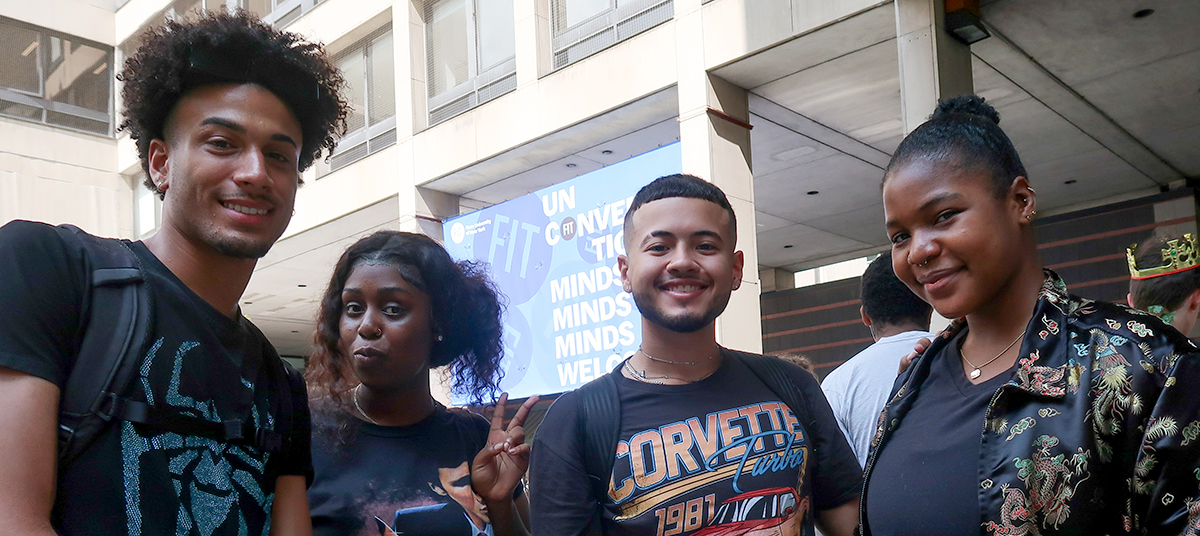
x,y
226,113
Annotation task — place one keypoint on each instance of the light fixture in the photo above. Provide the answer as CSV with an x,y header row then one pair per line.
x,y
813,192
570,165
789,246
1142,13
962,21
1070,181
606,151
302,286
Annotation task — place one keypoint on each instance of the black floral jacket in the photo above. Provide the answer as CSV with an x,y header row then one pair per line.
x,y
1097,432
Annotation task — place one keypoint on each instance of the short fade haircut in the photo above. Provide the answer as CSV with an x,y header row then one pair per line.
x,y
681,185
1167,291
887,300
221,47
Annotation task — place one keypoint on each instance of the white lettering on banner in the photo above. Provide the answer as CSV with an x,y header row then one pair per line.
x,y
599,338
507,238
558,201
601,218
588,369
592,281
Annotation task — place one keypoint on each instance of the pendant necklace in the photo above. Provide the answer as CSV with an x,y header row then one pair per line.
x,y
975,373
359,408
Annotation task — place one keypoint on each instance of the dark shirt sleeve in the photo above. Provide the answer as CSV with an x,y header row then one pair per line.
x,y
42,286
837,477
560,491
297,460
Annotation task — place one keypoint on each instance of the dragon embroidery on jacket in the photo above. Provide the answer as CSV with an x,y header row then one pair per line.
x,y
1051,481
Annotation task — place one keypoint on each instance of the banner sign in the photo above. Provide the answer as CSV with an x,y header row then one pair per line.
x,y
553,254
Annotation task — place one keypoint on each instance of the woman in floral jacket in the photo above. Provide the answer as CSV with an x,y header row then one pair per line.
x,y
1036,412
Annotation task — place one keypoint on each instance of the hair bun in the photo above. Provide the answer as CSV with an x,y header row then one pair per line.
x,y
967,104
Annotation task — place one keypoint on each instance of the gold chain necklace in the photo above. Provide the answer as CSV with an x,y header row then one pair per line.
x,y
690,363
640,375
976,372
359,408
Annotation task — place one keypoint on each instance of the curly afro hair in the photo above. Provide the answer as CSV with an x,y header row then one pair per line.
x,y
161,72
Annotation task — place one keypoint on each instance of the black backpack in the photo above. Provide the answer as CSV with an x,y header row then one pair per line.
x,y
115,321
600,418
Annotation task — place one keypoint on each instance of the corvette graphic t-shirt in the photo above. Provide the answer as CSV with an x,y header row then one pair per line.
x,y
723,456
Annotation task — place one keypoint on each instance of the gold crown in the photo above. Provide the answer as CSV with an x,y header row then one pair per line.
x,y
1178,255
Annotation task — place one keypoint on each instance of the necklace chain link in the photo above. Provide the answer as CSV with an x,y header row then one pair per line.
x,y
359,408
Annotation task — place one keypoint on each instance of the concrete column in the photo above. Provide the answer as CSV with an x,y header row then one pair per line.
x,y
933,65
532,18
717,149
774,279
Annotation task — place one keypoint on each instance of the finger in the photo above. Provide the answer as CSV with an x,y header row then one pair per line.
x,y
522,412
905,362
922,345
520,451
498,412
486,454
516,436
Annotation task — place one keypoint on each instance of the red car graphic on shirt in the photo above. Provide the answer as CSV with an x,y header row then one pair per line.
x,y
764,512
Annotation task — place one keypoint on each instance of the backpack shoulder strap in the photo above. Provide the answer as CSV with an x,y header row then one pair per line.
x,y
115,322
600,427
774,373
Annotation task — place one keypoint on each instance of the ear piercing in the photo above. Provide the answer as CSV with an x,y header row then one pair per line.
x,y
439,338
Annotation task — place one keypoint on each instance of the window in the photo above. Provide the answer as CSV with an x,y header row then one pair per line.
x,y
369,67
471,52
584,27
56,79
280,12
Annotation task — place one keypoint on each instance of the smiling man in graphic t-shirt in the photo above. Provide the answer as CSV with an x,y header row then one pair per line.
x,y
705,447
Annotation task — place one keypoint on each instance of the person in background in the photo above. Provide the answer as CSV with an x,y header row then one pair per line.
x,y
802,361
1164,280
1036,412
858,389
387,457
211,435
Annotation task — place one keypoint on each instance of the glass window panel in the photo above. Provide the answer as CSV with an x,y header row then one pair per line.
x,y
382,92
259,7
448,59
577,11
354,70
497,33
19,59
81,78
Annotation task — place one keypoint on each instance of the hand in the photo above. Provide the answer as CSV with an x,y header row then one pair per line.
x,y
918,349
498,468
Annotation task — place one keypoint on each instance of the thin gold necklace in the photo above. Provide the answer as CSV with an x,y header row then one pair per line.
x,y
359,408
690,363
976,372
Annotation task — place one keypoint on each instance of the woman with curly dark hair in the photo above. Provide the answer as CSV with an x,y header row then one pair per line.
x,y
1036,412
387,457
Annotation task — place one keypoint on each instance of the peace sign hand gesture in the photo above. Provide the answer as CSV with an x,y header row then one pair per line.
x,y
498,468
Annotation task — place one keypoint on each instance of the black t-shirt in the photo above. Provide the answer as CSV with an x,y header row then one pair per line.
x,y
926,479
413,479
723,455
140,480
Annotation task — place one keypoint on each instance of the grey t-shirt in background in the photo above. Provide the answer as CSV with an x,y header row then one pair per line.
x,y
858,389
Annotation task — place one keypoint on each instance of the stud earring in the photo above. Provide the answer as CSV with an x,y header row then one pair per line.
x,y
439,338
